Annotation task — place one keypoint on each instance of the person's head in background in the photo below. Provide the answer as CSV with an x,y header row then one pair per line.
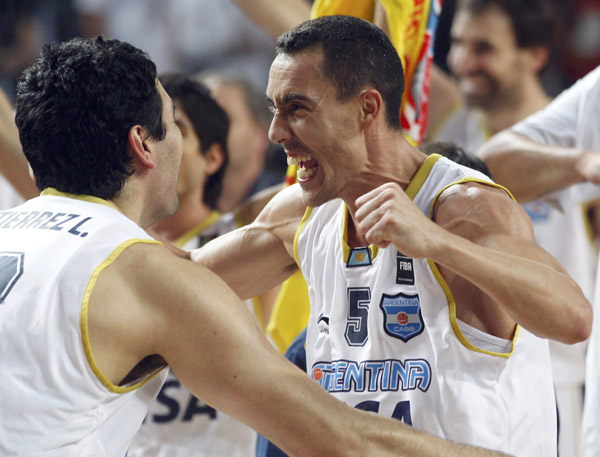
x,y
248,143
499,48
204,126
457,154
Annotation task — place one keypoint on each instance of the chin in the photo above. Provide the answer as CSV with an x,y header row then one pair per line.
x,y
314,200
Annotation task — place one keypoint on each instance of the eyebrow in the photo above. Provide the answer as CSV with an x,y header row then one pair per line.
x,y
288,98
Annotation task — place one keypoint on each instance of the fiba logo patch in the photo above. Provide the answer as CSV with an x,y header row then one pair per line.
x,y
402,316
405,271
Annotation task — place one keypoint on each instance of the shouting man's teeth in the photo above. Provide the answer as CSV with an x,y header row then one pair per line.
x,y
307,166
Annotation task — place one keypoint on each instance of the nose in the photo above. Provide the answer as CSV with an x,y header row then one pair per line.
x,y
279,131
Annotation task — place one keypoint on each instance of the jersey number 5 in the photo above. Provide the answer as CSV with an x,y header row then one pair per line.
x,y
359,299
11,269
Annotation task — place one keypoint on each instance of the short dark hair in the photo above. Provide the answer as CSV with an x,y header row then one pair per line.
x,y
457,154
75,106
210,121
534,22
356,54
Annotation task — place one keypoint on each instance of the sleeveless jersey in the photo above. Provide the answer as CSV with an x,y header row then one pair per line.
x,y
383,336
572,120
564,233
412,25
55,400
179,424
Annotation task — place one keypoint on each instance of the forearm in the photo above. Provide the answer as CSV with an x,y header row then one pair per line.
x,y
248,259
304,420
530,169
535,295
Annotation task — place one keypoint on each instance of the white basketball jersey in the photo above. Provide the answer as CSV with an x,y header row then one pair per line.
x,y
55,401
563,233
179,424
383,336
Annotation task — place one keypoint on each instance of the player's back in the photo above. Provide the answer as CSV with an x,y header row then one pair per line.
x,y
55,401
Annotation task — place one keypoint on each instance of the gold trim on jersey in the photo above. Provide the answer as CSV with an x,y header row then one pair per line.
x,y
347,250
448,293
303,222
87,198
411,191
84,320
421,175
587,223
198,229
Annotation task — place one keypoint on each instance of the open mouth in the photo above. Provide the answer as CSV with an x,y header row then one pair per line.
x,y
307,166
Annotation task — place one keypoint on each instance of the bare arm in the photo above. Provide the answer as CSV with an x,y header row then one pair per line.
x,y
213,346
531,169
444,99
484,245
259,256
276,16
13,164
251,208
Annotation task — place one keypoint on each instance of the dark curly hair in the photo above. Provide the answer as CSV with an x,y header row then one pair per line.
x,y
356,54
75,105
210,122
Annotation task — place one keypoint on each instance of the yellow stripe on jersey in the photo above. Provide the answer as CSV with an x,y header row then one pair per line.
x,y
374,250
197,230
298,230
444,285
417,181
84,320
88,198
454,321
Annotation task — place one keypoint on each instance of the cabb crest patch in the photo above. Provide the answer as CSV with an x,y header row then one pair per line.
x,y
402,316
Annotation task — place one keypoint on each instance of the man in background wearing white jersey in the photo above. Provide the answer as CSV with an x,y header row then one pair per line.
x,y
550,150
499,48
426,310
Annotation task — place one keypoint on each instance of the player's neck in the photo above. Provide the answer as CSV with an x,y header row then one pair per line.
x,y
396,162
191,213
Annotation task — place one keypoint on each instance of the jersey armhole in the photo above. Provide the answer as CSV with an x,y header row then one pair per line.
x,y
84,320
303,222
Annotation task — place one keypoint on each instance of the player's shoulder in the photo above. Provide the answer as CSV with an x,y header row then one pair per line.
x,y
477,202
286,204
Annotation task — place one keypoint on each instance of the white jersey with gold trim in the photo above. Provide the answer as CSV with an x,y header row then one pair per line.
x,y
572,120
55,401
179,424
383,336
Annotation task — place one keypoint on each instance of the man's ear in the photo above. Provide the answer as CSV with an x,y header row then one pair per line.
x,y
371,105
214,158
140,148
537,57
